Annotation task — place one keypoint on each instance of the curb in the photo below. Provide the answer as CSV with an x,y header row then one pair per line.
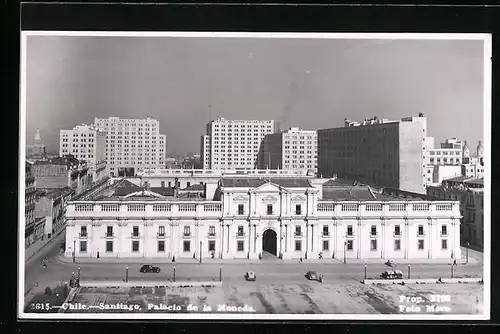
x,y
423,281
135,284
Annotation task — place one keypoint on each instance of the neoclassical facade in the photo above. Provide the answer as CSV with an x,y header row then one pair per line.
x,y
250,217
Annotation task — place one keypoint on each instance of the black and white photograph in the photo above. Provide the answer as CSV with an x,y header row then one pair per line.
x,y
264,176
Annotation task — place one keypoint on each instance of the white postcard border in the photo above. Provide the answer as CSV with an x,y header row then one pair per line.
x,y
252,316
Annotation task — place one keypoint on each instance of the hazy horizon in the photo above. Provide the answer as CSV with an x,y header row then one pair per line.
x,y
310,84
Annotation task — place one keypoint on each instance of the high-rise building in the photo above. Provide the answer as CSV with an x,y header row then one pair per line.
x,y
290,149
87,143
132,144
234,144
377,151
450,153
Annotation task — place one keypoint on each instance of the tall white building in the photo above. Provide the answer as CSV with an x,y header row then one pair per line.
x,y
449,153
85,142
132,144
234,143
290,149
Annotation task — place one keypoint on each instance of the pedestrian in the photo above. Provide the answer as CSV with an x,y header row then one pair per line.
x,y
300,260
455,262
97,254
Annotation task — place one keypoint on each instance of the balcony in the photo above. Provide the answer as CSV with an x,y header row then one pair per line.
x,y
298,234
135,235
373,235
240,235
109,235
83,235
420,234
241,213
211,235
350,235
444,233
325,234
186,235
160,235
397,234
298,213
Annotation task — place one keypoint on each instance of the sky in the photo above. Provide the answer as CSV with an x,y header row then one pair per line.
x,y
306,83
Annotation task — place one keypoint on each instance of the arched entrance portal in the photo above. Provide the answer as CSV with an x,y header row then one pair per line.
x,y
269,242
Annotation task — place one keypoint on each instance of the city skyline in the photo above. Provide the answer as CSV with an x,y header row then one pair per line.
x,y
71,80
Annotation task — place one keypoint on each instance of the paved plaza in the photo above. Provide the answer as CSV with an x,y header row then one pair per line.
x,y
307,298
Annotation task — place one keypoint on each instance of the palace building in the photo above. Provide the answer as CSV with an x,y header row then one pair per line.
x,y
251,217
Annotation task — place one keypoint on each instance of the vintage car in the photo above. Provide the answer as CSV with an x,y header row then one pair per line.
x,y
312,275
392,274
250,276
147,268
390,263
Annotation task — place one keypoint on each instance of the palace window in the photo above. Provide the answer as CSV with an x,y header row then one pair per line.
x,y
298,209
326,245
135,246
187,246
298,245
420,244
373,245
135,231
211,246
109,246
83,246
325,230
187,230
444,230
349,230
211,230
350,245
397,230
241,246
161,246
83,231
240,231
444,244
109,231
161,231
269,209
397,244
241,210
373,231
420,230
298,231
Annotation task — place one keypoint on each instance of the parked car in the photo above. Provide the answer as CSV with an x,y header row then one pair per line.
x,y
147,268
390,263
250,276
312,275
392,274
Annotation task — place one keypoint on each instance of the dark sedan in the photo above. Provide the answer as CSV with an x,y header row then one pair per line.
x,y
147,268
312,275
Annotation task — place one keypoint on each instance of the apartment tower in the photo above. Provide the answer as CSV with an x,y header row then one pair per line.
x,y
377,151
233,144
290,149
132,144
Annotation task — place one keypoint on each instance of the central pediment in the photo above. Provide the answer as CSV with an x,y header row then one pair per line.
x,y
144,194
269,187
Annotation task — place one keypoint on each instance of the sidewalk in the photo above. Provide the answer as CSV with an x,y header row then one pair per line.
x,y
40,245
276,261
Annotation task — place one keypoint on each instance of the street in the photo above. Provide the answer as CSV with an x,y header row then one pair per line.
x,y
267,273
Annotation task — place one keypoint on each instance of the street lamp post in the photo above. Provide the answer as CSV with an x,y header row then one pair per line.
x,y
467,253
174,274
220,274
365,271
126,274
74,250
408,271
78,274
200,250
451,266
